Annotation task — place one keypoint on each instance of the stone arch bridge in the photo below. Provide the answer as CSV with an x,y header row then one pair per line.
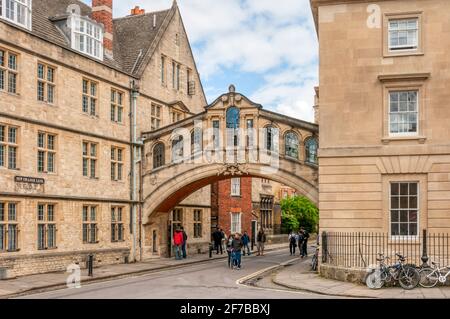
x,y
232,137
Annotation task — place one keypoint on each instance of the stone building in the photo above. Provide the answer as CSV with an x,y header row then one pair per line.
x,y
77,88
384,157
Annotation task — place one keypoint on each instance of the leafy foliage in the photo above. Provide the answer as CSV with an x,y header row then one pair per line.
x,y
298,211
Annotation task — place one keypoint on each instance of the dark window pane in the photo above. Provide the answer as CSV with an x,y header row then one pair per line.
x,y
395,229
404,189
395,202
395,189
404,229
413,216
413,189
404,202
413,229
404,216
413,202
394,216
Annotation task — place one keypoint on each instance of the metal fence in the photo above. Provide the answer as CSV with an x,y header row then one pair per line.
x,y
360,250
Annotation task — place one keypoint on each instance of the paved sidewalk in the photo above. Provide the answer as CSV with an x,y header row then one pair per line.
x,y
298,276
44,282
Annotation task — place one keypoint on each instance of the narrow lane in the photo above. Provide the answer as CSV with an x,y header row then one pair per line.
x,y
200,281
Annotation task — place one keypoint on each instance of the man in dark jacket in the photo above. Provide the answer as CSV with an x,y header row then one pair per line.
x,y
217,238
236,246
183,247
260,242
246,242
301,237
304,249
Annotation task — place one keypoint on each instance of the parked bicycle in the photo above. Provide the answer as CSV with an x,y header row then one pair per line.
x,y
406,275
315,260
430,276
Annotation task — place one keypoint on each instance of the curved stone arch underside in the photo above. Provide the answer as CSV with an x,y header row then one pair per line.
x,y
172,191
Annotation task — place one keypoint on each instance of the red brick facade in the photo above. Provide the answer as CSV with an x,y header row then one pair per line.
x,y
227,204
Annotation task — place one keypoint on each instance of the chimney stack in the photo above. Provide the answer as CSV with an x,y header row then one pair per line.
x,y
102,12
137,11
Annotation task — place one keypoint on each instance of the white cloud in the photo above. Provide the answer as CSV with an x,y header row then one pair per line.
x,y
292,99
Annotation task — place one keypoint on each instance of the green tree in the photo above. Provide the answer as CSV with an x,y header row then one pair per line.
x,y
298,211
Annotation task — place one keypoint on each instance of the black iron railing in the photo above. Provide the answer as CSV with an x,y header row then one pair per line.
x,y
361,250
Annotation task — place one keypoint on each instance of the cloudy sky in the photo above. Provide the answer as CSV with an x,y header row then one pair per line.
x,y
267,48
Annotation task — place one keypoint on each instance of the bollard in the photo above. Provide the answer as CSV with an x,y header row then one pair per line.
x,y
91,265
210,250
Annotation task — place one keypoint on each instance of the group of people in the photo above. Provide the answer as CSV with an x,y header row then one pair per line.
x,y
299,239
179,241
236,244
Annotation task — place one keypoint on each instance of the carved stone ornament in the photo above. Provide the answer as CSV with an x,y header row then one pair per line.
x,y
233,170
153,180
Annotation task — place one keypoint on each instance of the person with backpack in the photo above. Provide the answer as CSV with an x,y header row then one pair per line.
x,y
177,243
293,237
183,247
236,246
304,250
260,241
246,242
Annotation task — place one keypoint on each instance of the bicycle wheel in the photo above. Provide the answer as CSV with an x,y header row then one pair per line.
x,y
374,281
428,278
314,263
409,278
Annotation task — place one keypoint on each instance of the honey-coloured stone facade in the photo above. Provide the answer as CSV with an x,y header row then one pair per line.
x,y
358,158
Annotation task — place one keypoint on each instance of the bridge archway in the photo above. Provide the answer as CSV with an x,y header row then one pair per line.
x,y
229,139
172,191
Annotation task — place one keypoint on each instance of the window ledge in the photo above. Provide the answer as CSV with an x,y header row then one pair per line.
x,y
47,103
403,77
394,54
9,93
387,140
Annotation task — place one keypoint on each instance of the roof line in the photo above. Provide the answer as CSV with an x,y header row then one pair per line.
x,y
140,15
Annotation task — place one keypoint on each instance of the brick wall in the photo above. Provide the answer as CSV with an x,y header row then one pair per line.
x,y
227,204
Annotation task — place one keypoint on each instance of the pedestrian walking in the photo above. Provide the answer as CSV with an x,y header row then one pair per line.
x,y
293,237
217,237
260,241
229,249
246,242
183,247
177,243
223,241
300,238
236,246
305,243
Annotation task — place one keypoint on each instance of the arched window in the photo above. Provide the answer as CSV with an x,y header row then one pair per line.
x,y
311,150
177,149
196,140
291,145
271,134
158,155
232,120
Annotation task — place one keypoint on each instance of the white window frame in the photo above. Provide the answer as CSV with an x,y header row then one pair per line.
x,y
236,225
416,133
25,5
408,237
96,35
235,186
406,47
